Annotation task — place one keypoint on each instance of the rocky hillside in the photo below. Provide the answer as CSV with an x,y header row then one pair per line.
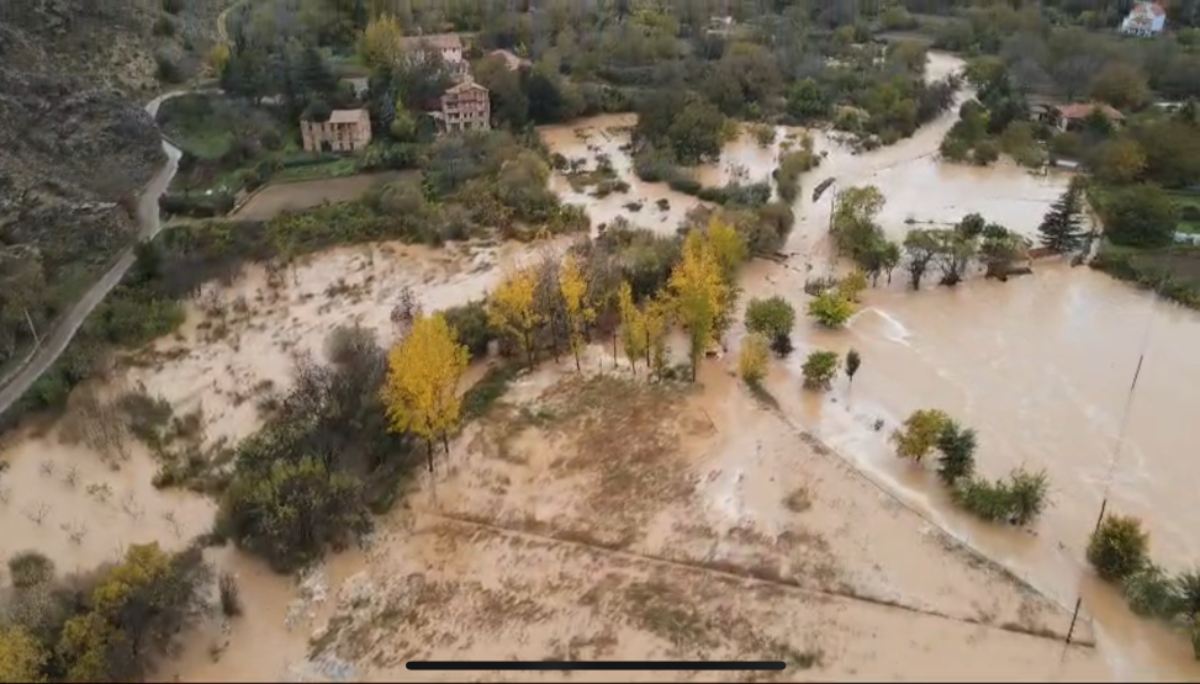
x,y
76,145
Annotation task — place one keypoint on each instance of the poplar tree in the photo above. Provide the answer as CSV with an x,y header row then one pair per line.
x,y
573,287
512,308
701,294
421,390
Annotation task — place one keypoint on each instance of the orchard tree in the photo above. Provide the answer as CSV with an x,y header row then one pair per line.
x,y
421,389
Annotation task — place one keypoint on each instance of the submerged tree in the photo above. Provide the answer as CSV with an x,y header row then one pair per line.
x,y
921,246
819,369
921,433
853,361
957,445
1061,229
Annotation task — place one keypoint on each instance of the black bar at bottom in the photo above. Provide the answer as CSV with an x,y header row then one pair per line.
x,y
609,665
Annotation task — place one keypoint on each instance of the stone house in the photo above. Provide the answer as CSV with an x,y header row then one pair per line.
x,y
347,130
465,107
1145,19
448,46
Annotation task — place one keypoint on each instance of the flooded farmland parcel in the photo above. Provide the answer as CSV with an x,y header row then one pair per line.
x,y
595,515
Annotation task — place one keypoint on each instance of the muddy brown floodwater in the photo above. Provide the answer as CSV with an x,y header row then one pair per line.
x,y
1039,366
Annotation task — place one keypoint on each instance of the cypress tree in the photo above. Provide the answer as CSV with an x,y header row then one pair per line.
x,y
1061,229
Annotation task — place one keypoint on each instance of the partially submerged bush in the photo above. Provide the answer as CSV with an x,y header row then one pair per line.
x,y
774,319
1019,500
1151,592
819,369
1118,547
752,361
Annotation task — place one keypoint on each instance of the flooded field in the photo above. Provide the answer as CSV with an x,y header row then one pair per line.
x,y
722,524
1039,366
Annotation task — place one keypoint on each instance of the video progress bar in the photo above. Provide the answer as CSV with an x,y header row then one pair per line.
x,y
595,665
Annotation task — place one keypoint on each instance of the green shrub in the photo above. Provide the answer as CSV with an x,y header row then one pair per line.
x,y
988,500
1027,495
1118,547
819,369
958,452
470,323
831,309
773,318
1019,500
29,568
1150,592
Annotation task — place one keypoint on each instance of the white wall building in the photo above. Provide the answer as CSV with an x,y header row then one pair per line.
x,y
1145,19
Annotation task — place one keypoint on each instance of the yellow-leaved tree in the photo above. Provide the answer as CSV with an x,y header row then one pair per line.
x,y
21,656
381,43
513,308
701,294
728,245
633,325
573,286
421,391
656,316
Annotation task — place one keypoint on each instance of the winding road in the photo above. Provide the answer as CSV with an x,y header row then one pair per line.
x,y
65,328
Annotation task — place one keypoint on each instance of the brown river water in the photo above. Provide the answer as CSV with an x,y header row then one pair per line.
x,y
1039,366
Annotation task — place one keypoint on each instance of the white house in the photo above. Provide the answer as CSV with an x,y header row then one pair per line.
x,y
1145,19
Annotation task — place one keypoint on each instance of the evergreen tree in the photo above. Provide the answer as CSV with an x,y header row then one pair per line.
x,y
1061,229
315,74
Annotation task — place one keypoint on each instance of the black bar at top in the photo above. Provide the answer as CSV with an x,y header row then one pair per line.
x,y
604,665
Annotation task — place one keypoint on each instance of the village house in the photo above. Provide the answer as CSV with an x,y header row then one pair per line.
x,y
1145,19
359,85
347,130
465,107
511,61
448,46
1072,116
